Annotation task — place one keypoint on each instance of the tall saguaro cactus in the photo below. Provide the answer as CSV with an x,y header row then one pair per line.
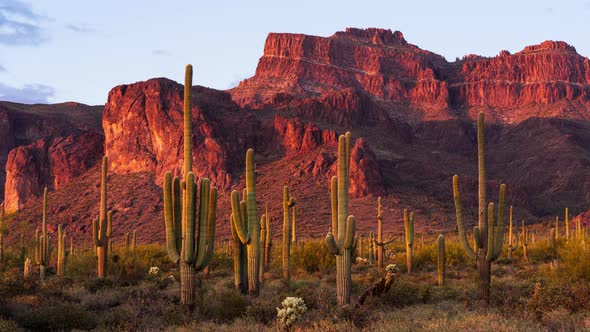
x,y
263,224
43,242
61,251
567,224
288,203
409,228
488,235
190,247
102,226
441,259
247,225
340,239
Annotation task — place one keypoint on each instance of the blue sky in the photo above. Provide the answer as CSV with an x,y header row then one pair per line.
x,y
58,50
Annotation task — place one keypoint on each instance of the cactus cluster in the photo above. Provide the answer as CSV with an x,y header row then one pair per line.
x,y
488,234
340,239
190,247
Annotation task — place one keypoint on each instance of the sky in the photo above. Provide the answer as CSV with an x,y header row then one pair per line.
x,y
55,51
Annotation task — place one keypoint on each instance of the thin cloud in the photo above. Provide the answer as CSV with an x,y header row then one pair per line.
x,y
28,94
79,28
161,52
19,25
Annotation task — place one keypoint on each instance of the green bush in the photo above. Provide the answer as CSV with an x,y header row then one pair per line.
x,y
312,256
56,316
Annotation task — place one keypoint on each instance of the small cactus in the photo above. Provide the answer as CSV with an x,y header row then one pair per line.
x,y
379,242
134,241
371,248
27,268
512,246
524,241
126,242
567,224
294,226
268,242
441,259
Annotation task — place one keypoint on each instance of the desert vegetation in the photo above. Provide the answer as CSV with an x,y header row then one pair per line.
x,y
540,279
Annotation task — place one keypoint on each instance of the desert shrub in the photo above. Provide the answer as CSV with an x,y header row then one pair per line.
x,y
93,285
13,283
52,316
224,306
403,293
312,256
573,262
542,251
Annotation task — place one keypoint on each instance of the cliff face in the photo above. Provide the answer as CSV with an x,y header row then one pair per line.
x,y
411,114
44,145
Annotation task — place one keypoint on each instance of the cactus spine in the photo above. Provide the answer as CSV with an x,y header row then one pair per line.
x,y
343,225
43,242
102,226
512,246
409,229
268,242
61,251
487,235
441,259
247,225
288,202
181,227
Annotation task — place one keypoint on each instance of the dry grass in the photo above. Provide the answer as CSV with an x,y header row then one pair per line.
x,y
526,296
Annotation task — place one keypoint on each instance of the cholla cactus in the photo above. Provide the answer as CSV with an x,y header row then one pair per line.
x,y
155,273
292,310
392,268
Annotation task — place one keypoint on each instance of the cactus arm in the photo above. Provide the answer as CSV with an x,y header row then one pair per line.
x,y
203,234
210,232
499,229
461,228
476,238
238,219
109,223
176,213
349,236
170,221
95,231
331,244
491,226
334,203
188,242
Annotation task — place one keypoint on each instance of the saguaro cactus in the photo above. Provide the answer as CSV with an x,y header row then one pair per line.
x,y
343,225
181,227
247,225
487,235
409,228
288,202
134,241
263,224
126,242
379,240
556,228
102,226
240,259
61,251
512,246
441,259
294,226
43,242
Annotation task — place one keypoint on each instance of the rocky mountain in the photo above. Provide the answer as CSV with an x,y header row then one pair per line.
x,y
411,113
